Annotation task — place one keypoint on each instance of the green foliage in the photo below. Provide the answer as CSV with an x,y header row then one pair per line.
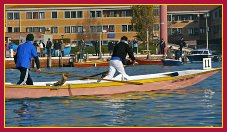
x,y
142,21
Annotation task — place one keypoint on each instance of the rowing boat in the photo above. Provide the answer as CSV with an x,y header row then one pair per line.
x,y
150,82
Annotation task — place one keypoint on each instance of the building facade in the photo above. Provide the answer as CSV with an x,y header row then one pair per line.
x,y
74,22
201,26
102,22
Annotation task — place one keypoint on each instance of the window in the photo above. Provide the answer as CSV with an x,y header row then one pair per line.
x,y
35,15
98,14
13,16
180,30
202,30
156,11
29,15
54,29
28,29
93,29
10,16
41,15
105,27
16,29
99,28
67,14
156,27
80,29
126,13
196,31
112,14
79,14
124,28
169,18
130,28
67,29
42,29
16,15
95,14
73,14
10,29
174,30
74,29
92,14
36,29
54,14
111,28
190,31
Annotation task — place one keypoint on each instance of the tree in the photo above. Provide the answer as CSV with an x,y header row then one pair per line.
x,y
142,21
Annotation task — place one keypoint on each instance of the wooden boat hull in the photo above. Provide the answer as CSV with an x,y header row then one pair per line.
x,y
91,64
106,88
148,62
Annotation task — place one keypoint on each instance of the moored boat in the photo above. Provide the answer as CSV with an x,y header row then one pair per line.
x,y
148,62
150,82
197,55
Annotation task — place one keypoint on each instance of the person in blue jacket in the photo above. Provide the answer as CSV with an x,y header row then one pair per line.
x,y
23,57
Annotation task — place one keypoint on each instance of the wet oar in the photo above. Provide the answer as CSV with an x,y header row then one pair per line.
x,y
88,77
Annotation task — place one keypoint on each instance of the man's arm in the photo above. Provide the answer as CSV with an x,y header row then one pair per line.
x,y
37,63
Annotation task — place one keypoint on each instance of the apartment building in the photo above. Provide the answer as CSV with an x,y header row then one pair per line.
x,y
73,22
192,21
103,22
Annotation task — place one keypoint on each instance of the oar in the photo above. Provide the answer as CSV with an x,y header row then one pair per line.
x,y
88,77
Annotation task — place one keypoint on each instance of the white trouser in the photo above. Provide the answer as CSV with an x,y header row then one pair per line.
x,y
57,53
116,65
11,53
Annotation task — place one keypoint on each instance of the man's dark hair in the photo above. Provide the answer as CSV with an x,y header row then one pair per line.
x,y
30,37
124,38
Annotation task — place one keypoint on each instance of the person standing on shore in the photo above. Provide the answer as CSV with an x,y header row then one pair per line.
x,y
48,46
25,52
62,48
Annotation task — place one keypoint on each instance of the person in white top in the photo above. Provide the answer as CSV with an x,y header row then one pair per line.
x,y
41,48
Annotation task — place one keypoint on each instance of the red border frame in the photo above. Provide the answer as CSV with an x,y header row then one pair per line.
x,y
101,2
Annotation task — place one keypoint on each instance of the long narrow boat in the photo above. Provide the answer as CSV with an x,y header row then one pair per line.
x,y
150,82
91,64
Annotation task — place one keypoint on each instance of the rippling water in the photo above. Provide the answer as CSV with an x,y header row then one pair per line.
x,y
199,105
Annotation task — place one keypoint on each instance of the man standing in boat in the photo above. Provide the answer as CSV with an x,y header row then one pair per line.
x,y
118,58
23,57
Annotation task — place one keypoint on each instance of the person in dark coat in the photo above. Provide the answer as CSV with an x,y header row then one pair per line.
x,y
177,54
162,46
182,44
48,46
96,44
